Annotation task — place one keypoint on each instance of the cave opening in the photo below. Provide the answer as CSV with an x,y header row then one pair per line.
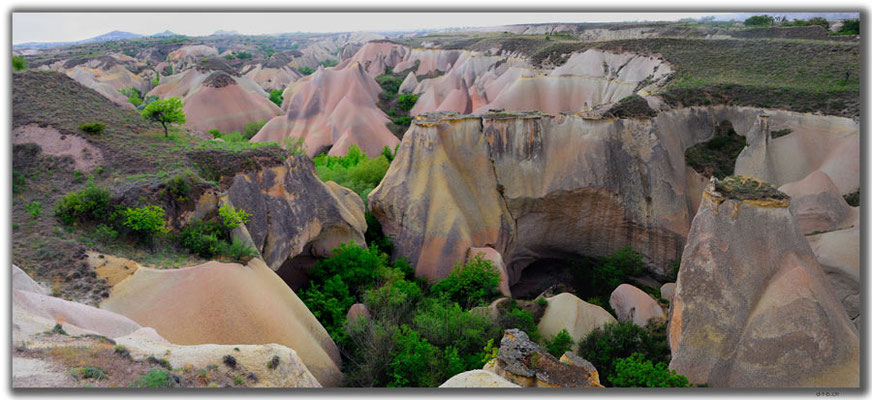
x,y
293,270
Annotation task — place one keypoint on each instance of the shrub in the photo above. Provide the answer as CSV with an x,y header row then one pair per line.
x,y
357,267
402,121
390,84
88,373
133,96
34,208
242,55
91,203
155,378
276,96
598,278
229,361
178,187
446,324
329,303
853,198
93,128
516,317
274,362
202,238
147,222
329,63
105,233
559,344
759,20
19,63
406,101
850,27
354,170
306,71
603,346
251,129
636,371
237,250
471,284
414,362
295,145
231,217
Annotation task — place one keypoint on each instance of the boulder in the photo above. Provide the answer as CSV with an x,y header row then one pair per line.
x,y
477,378
356,311
523,362
667,291
752,305
579,318
632,304
817,205
232,304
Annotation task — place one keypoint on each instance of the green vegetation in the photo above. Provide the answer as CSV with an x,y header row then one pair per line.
x,y
395,105
603,347
760,20
355,170
210,239
93,128
746,188
146,222
231,217
329,63
716,156
165,111
595,280
276,96
636,371
89,204
251,128
850,27
19,63
155,378
295,145
243,55
133,96
306,71
472,284
559,344
406,101
853,199
88,373
34,208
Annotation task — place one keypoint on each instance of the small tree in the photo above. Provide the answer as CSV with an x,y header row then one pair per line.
x,y
165,111
759,20
19,63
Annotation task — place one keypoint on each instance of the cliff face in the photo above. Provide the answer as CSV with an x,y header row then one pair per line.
x,y
533,186
752,307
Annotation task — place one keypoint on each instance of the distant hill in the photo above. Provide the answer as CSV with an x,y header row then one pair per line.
x,y
166,33
222,32
106,37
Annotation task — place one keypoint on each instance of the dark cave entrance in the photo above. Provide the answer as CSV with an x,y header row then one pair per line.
x,y
293,270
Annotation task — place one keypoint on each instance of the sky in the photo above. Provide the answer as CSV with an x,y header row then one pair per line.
x,y
69,27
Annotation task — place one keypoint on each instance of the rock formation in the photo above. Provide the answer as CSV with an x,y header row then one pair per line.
x,y
632,304
667,291
579,318
838,252
477,378
817,204
524,363
219,303
752,306
376,55
532,186
332,109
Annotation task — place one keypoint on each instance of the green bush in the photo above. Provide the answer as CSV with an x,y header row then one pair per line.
x,y
559,344
850,27
294,145
414,362
636,371
165,111
603,346
329,63
306,71
179,187
89,204
155,378
202,238
88,373
231,217
251,129
34,208
242,55
389,83
329,303
853,198
515,317
402,121
19,63
133,96
598,278
147,222
93,128
354,170
471,284
237,250
276,96
446,324
759,20
406,101
105,234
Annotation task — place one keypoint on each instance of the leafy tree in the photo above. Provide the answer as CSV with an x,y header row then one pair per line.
x,y
446,324
165,111
231,217
636,371
559,344
407,101
306,71
759,20
471,284
19,63
603,346
276,96
414,360
850,27
251,128
146,221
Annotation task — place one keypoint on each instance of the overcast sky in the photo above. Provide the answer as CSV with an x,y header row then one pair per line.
x,y
69,27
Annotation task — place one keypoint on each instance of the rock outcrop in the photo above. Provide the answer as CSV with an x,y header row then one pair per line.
x,y
579,318
752,306
219,303
522,362
632,304
293,213
533,186
477,378
817,204
667,291
838,252
332,109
